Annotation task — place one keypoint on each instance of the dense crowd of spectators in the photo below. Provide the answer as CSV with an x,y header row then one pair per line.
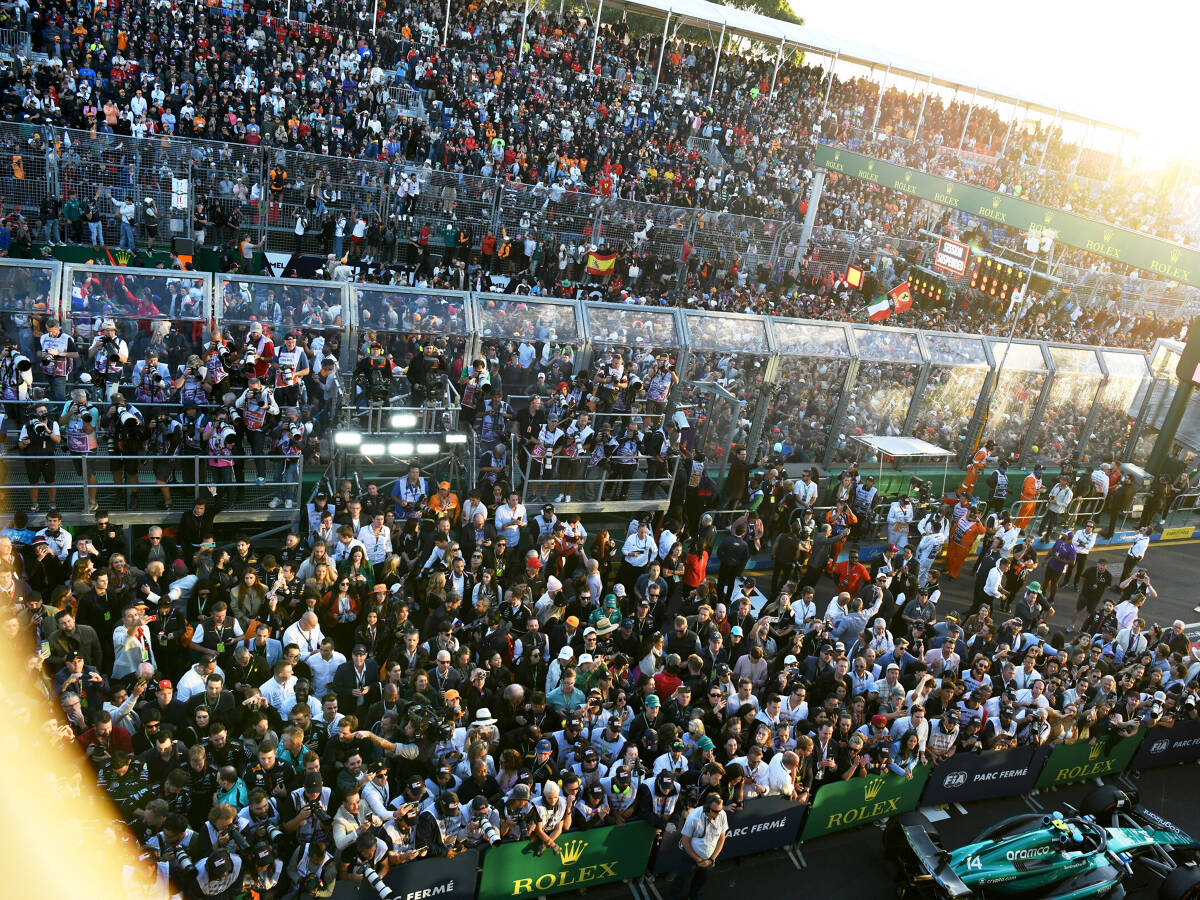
x,y
372,179
410,673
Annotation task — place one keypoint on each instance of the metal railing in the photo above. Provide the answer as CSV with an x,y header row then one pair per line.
x,y
601,487
152,484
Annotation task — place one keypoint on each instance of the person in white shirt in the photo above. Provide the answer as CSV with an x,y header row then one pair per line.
x,y
781,774
805,490
131,644
1084,541
900,516
280,687
1133,558
322,665
638,549
377,539
305,634
666,540
193,680
755,771
992,587
1100,479
510,519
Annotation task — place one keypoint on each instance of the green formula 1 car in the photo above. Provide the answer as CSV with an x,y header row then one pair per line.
x,y
1081,855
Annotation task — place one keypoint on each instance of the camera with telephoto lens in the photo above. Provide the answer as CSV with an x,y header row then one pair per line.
x,y
236,837
109,343
38,429
182,861
371,877
319,812
489,831
253,395
269,831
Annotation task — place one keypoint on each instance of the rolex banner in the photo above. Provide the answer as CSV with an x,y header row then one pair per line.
x,y
1171,261
980,776
1088,759
446,879
586,859
763,823
846,804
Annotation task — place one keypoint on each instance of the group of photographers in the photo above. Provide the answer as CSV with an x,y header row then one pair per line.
x,y
234,395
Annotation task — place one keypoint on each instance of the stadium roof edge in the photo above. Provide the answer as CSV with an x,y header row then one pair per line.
x,y
755,26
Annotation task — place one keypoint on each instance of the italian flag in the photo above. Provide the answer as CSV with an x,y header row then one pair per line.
x,y
879,309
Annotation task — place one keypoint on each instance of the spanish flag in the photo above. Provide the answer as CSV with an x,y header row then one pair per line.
x,y
901,296
601,263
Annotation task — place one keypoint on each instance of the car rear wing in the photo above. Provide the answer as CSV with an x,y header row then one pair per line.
x,y
933,860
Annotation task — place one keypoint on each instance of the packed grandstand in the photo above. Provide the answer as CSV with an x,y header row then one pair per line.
x,y
432,430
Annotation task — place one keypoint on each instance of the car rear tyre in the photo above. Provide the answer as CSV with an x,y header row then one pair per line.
x,y
1181,884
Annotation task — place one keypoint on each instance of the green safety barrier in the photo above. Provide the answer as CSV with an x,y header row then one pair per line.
x,y
1164,258
1088,759
845,804
587,859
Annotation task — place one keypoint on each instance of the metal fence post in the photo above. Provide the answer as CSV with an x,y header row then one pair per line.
x,y
264,199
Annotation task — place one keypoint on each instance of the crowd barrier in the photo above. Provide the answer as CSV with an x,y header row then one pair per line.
x,y
623,853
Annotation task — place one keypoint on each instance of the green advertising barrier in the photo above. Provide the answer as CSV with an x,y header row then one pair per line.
x,y
1088,759
846,804
1169,260
588,858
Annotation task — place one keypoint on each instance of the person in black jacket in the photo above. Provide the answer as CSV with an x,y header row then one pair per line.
x,y
733,555
195,523
356,682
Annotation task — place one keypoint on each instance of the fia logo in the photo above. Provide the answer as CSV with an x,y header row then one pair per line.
x,y
1159,746
955,779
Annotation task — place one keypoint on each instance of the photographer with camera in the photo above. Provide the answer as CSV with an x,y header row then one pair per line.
x,y
312,870
126,427
151,379
305,813
373,378
288,444
79,419
38,441
256,405
366,861
192,381
163,441
220,876
57,355
16,378
293,367
109,355
221,440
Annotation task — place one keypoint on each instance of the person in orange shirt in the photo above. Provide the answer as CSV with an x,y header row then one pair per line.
x,y
444,503
962,538
978,464
1030,490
